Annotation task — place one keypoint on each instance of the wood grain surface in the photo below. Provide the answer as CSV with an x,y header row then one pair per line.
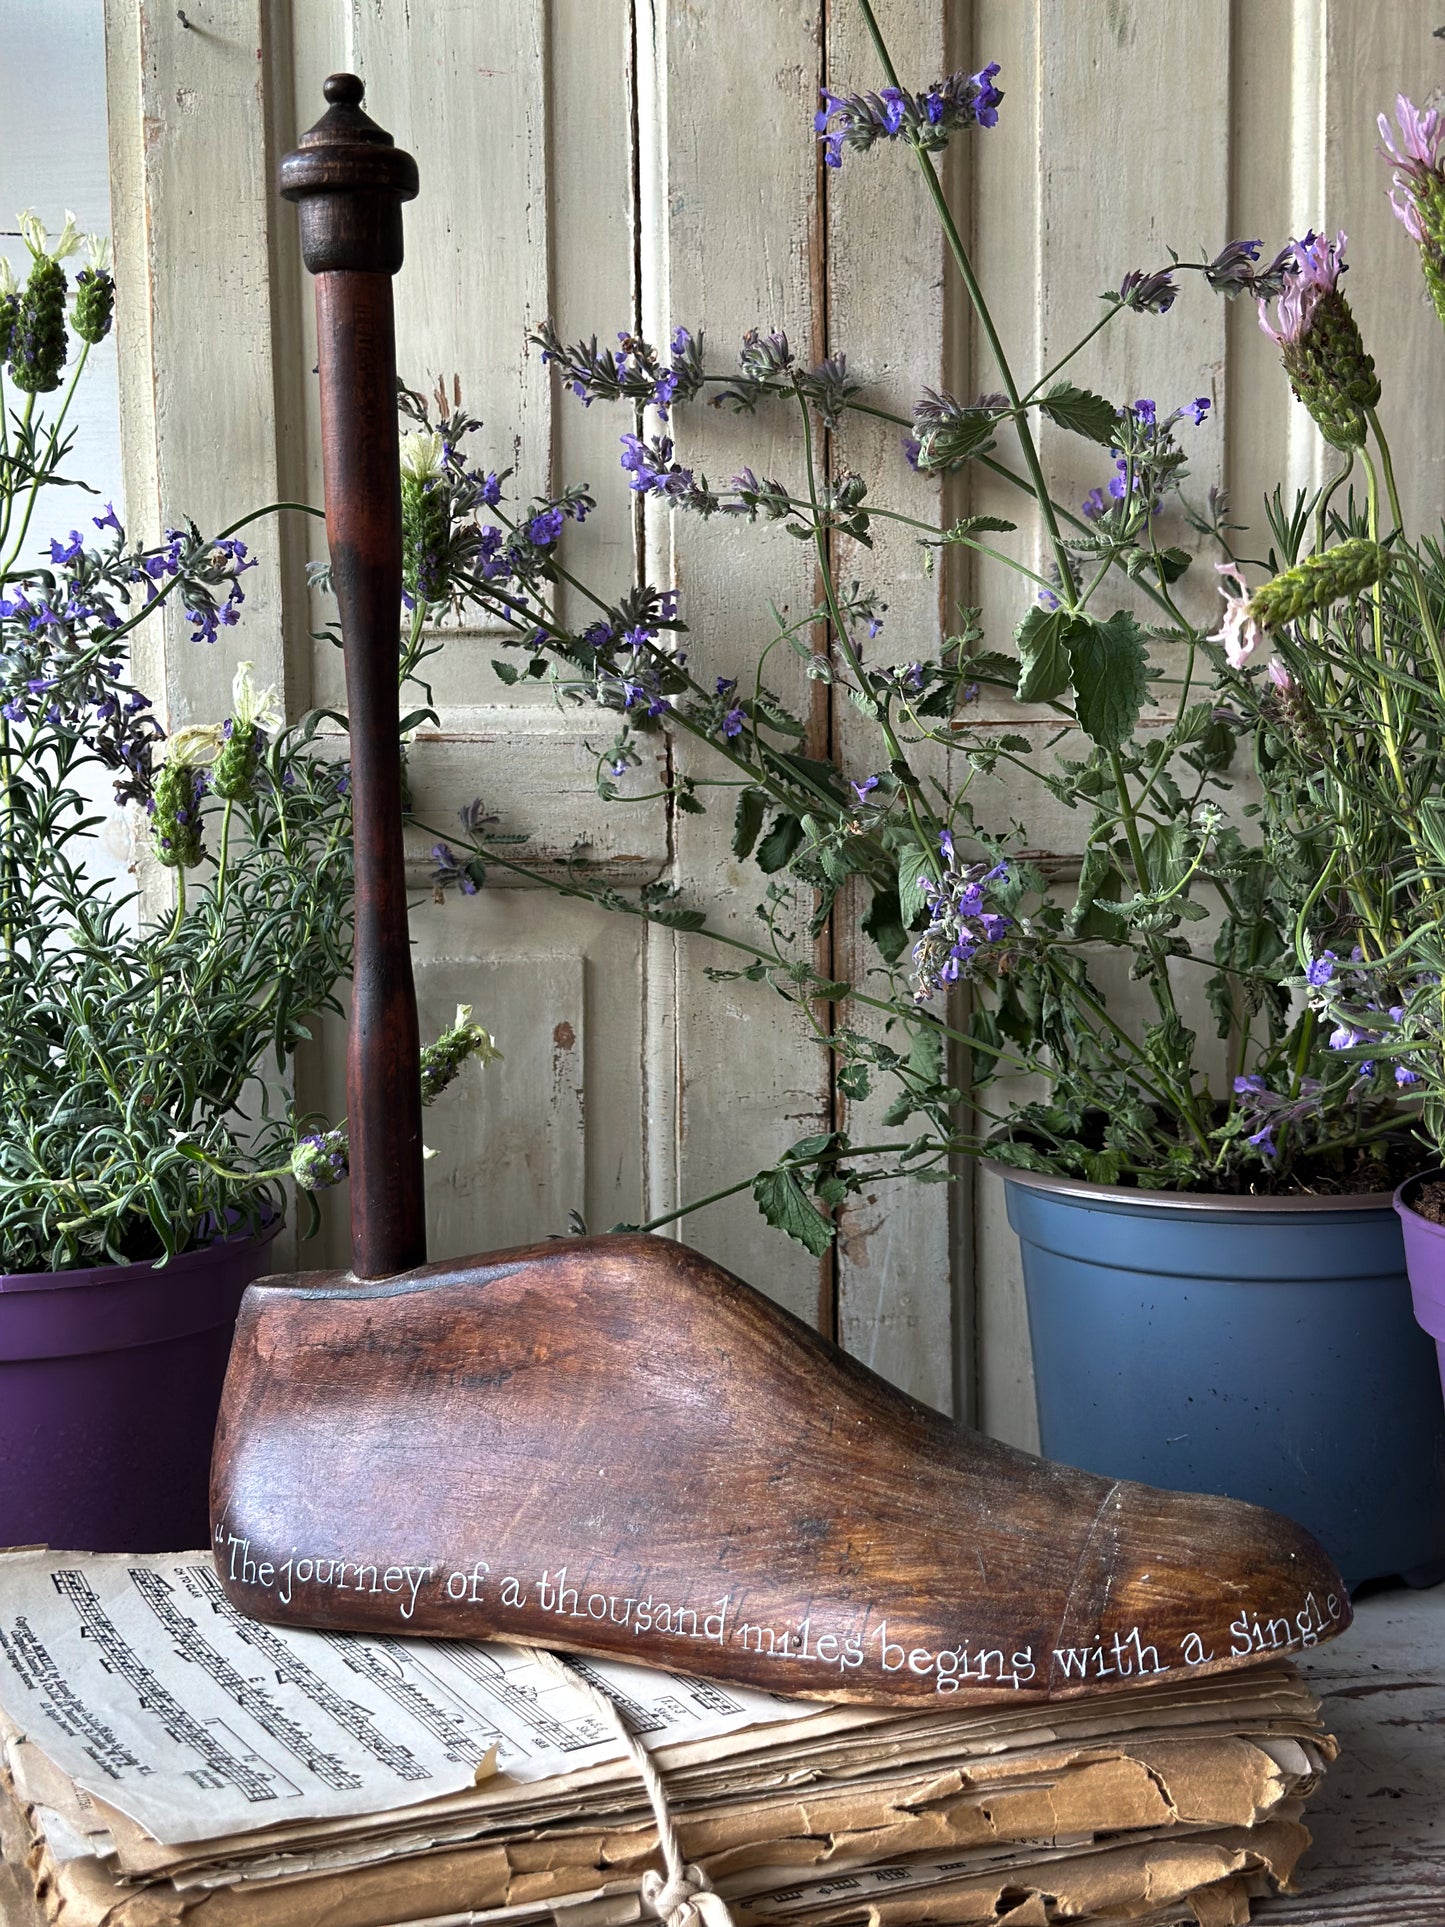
x,y
611,1445
1378,1822
348,180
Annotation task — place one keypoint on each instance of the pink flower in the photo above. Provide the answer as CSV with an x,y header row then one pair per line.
x,y
1318,265
1240,632
1420,135
1415,158
1279,675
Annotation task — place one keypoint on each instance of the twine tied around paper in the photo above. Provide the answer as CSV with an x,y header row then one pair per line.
x,y
684,1896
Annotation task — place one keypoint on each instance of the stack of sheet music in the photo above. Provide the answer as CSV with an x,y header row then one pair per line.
x,y
168,1761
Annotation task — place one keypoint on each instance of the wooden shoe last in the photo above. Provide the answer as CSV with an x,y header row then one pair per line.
x,y
612,1446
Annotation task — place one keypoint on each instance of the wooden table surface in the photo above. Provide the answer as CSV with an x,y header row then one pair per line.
x,y
1378,1858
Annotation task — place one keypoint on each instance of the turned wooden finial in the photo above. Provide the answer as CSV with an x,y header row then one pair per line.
x,y
349,179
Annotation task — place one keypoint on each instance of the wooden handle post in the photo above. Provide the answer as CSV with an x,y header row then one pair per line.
x,y
349,180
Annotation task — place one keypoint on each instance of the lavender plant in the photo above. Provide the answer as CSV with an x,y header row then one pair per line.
x,y
987,964
136,1116
1338,661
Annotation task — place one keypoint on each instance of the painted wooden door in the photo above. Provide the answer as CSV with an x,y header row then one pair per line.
x,y
650,163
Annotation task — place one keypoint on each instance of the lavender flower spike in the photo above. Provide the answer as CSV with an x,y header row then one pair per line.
x,y
1320,345
1318,265
1418,190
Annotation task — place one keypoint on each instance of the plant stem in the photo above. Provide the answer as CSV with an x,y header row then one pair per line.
x,y
961,261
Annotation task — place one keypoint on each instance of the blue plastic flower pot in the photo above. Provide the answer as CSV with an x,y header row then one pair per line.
x,y
1262,1348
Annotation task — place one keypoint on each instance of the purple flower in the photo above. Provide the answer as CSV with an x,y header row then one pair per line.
x,y
1263,1141
726,685
959,927
1420,136
1148,293
1416,159
449,870
733,721
63,552
1404,1077
925,120
653,470
1095,505
912,448
1321,970
864,789
988,98
1318,265
543,529
108,520
1197,409
1232,269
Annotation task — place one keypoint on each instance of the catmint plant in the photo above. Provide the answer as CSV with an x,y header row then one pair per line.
x,y
986,963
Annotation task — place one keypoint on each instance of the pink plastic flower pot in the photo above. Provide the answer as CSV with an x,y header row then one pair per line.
x,y
1425,1262
110,1381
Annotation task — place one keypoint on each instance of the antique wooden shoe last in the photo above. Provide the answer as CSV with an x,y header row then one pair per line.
x,y
610,1445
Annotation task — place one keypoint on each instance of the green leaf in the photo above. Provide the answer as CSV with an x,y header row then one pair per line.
x,y
1081,412
687,801
779,843
978,525
752,807
943,445
1044,662
1102,1167
1172,563
676,919
506,672
1098,877
854,1082
1109,675
1167,855
1221,1002
829,990
786,1207
884,924
914,863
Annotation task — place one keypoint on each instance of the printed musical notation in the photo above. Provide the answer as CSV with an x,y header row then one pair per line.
x,y
140,1679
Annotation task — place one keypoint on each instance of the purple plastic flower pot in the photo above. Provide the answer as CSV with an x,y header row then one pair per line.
x,y
110,1381
1425,1261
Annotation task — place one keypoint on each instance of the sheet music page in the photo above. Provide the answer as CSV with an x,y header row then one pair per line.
x,y
140,1680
